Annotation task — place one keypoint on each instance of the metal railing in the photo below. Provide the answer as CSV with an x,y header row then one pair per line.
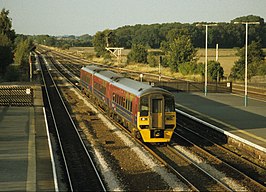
x,y
14,95
187,86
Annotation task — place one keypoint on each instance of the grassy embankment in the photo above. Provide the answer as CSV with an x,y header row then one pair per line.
x,y
227,57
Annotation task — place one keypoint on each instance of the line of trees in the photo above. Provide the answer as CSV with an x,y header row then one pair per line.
x,y
64,42
228,35
178,41
256,62
7,37
14,51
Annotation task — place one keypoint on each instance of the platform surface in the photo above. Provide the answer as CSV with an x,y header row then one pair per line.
x,y
229,112
25,163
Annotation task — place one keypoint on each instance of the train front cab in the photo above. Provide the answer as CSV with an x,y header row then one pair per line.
x,y
156,117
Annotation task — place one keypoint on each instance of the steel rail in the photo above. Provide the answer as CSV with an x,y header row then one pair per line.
x,y
216,158
254,94
148,148
226,187
56,129
169,165
182,178
81,140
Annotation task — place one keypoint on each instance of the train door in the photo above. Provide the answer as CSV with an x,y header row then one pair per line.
x,y
157,112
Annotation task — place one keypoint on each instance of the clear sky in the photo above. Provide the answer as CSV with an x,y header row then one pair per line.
x,y
77,17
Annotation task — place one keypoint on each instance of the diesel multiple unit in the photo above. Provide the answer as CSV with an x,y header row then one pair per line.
x,y
148,112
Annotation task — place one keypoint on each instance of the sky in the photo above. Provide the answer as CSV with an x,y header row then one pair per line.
x,y
78,17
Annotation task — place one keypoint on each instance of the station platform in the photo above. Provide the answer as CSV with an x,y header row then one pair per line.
x,y
227,111
25,162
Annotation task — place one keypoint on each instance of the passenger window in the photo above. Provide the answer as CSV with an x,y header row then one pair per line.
x,y
124,102
130,106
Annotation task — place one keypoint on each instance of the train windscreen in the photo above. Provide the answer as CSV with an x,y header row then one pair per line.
x,y
144,106
169,104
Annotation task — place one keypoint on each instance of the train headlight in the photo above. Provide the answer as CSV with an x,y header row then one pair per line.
x,y
143,119
169,117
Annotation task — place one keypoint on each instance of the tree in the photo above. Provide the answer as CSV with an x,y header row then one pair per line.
x,y
148,35
255,57
6,56
152,60
12,73
99,43
6,25
256,32
101,40
262,69
124,36
215,71
137,54
21,51
7,36
248,18
21,57
179,51
188,68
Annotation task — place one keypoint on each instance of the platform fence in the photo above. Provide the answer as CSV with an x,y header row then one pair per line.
x,y
16,96
186,86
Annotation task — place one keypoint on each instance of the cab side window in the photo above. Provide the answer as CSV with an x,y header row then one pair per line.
x,y
169,104
144,106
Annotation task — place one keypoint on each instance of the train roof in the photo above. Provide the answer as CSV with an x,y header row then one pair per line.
x,y
102,73
91,68
132,86
108,75
135,87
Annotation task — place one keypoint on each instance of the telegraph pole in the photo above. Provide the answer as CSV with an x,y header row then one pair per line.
x,y
206,54
246,58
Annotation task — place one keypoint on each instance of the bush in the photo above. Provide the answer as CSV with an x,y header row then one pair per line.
x,y
152,61
188,68
215,70
179,51
262,69
137,54
200,69
255,60
12,73
65,46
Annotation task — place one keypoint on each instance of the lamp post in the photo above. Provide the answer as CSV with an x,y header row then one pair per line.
x,y
206,54
246,58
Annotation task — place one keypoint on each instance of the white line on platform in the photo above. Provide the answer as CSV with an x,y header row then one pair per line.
x,y
31,171
223,131
51,152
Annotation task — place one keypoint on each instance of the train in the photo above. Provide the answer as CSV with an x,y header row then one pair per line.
x,y
147,112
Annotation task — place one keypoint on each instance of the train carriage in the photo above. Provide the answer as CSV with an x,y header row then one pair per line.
x,y
86,79
147,111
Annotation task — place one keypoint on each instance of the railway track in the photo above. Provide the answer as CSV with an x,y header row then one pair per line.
x,y
63,69
217,184
182,178
253,92
223,161
183,165
78,171
79,62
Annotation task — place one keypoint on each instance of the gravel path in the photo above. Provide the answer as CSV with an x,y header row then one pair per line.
x,y
124,164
